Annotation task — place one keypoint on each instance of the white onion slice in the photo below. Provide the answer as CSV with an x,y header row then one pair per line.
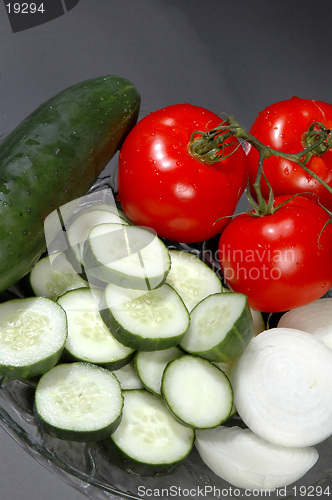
x,y
324,333
245,460
309,317
282,387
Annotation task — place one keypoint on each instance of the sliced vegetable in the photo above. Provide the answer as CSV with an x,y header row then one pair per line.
x,y
81,226
128,377
283,387
128,256
197,392
227,368
247,461
310,317
314,318
107,204
145,321
78,402
324,334
150,366
148,441
33,333
192,278
258,322
89,339
53,275
220,327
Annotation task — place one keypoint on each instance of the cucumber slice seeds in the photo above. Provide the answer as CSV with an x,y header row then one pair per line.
x,y
53,275
80,227
197,392
145,321
89,339
127,256
33,332
164,304
220,328
79,402
148,440
192,278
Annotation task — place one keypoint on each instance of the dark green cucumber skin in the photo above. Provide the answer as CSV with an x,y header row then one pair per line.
x,y
129,464
242,333
111,365
72,435
192,425
235,342
101,273
134,466
53,157
136,342
33,370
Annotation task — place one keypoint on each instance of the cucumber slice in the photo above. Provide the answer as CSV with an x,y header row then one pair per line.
x,y
227,369
127,376
81,226
145,321
89,339
148,441
197,392
127,256
33,333
192,278
220,327
78,402
258,322
53,275
150,366
109,207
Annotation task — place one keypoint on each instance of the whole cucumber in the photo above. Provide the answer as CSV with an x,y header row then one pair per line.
x,y
53,157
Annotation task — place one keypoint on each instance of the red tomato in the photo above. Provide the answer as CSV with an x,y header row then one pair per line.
x,y
283,126
280,261
163,186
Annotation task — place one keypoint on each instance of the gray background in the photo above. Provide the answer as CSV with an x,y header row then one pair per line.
x,y
234,57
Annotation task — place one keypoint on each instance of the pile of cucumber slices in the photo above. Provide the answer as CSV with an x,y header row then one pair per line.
x,y
138,346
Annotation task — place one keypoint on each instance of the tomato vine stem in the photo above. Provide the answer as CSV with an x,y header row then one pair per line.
x,y
210,146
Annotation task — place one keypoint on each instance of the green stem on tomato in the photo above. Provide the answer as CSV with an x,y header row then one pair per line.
x,y
210,147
